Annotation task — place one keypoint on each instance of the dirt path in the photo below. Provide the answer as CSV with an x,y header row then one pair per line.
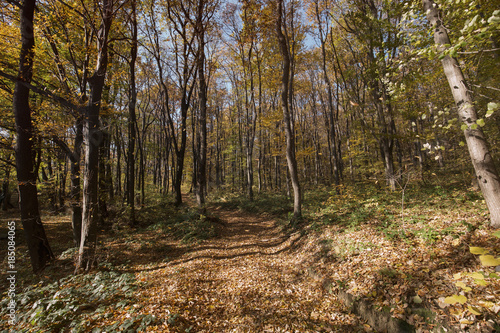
x,y
249,279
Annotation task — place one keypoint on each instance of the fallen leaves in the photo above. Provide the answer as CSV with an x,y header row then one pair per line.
x,y
455,299
256,278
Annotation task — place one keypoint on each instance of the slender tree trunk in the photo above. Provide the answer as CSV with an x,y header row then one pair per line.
x,y
178,174
386,151
118,180
103,182
132,119
481,157
36,239
332,132
142,177
5,185
201,179
75,157
93,136
286,105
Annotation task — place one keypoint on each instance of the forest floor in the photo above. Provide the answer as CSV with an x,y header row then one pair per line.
x,y
248,269
251,278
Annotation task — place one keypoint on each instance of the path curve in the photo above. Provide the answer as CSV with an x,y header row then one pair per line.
x,y
249,279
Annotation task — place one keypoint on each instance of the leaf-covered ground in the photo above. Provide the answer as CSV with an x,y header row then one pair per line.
x,y
245,268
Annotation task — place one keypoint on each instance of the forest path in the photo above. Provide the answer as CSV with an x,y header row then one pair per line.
x,y
248,279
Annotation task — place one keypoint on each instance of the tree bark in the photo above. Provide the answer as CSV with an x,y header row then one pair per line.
x,y
36,239
481,157
132,119
93,138
201,177
75,192
331,113
286,105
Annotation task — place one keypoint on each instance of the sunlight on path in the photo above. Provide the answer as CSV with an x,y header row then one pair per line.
x,y
247,280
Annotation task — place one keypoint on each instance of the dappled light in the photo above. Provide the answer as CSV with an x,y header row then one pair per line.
x,y
249,166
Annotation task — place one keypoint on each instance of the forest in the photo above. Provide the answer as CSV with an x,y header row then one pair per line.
x,y
250,165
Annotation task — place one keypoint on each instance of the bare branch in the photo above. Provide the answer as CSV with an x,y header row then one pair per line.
x,y
476,52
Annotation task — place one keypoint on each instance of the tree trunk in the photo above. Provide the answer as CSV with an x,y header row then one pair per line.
x,y
286,105
201,179
103,182
6,185
93,137
386,150
75,192
118,180
481,157
36,239
332,132
132,119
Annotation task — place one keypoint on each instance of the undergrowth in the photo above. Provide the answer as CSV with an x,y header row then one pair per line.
x,y
270,203
69,304
424,215
188,225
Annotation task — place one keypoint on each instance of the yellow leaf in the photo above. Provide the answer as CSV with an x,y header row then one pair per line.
x,y
478,250
417,299
455,299
463,286
457,276
487,304
466,322
477,276
481,282
488,260
474,310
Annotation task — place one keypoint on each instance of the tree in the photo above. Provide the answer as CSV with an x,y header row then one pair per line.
x,y
481,157
38,245
182,43
286,104
93,137
74,155
204,13
247,55
322,18
132,118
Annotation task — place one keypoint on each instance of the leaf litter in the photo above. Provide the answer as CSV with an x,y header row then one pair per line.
x,y
256,277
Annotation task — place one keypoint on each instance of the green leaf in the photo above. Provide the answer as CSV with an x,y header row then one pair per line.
x,y
493,106
477,250
488,260
480,122
463,127
455,299
497,234
417,299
